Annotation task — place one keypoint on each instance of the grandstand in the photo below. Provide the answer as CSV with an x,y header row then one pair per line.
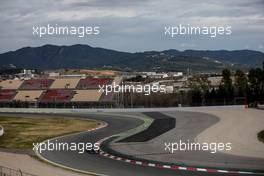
x,y
65,83
7,95
63,92
28,95
93,83
57,96
117,80
36,84
107,98
10,84
86,96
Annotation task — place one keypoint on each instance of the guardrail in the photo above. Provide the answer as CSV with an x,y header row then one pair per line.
x,y
5,171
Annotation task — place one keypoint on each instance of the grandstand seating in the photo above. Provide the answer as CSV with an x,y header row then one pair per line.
x,y
107,98
86,96
117,80
10,84
65,83
57,96
59,93
7,95
93,83
28,95
36,84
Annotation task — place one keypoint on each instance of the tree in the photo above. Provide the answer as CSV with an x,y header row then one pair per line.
x,y
226,84
199,85
256,83
241,83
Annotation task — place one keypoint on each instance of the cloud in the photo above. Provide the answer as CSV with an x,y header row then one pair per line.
x,y
133,25
105,3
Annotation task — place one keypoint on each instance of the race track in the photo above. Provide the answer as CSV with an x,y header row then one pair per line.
x,y
102,165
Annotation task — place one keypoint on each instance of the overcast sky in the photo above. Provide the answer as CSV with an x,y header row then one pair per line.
x,y
134,25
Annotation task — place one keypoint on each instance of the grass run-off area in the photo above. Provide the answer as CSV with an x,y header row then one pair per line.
x,y
261,136
21,133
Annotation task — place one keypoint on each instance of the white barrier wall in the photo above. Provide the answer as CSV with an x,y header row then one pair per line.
x,y
1,131
54,110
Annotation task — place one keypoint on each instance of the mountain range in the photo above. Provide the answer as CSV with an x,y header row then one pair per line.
x,y
85,56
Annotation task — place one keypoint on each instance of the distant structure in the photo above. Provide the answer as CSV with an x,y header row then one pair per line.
x,y
26,74
153,75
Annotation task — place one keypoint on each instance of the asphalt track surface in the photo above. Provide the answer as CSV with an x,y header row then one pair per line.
x,y
102,165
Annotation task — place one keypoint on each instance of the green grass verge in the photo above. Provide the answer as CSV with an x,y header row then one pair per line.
x,y
21,133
